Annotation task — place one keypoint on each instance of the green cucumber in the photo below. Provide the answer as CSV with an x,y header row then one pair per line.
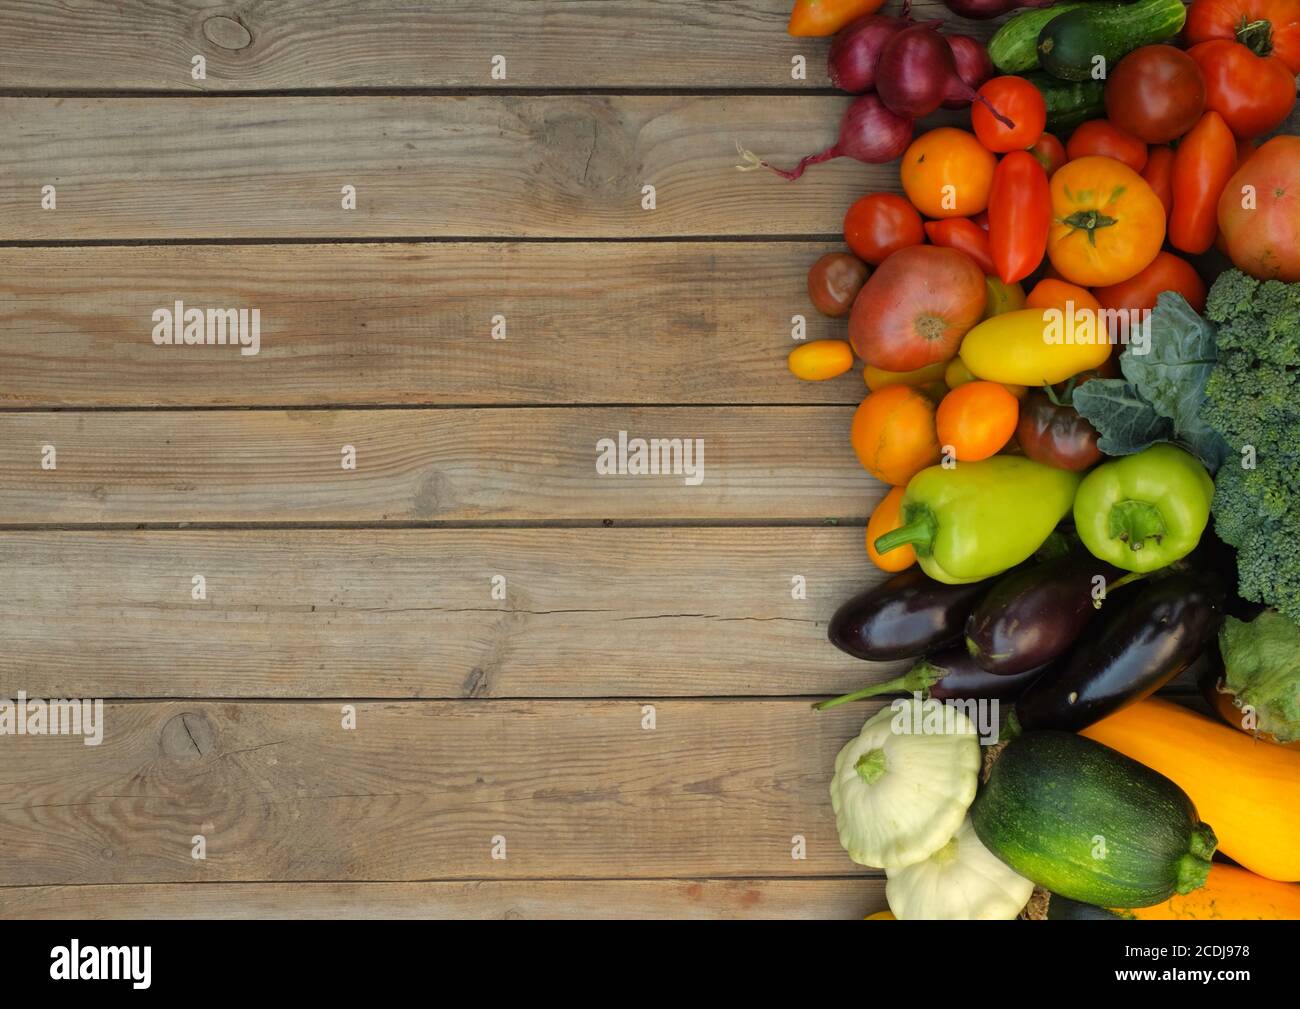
x,y
1014,46
1091,824
1069,46
1069,103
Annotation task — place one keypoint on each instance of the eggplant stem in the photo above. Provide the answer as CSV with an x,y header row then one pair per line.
x,y
917,680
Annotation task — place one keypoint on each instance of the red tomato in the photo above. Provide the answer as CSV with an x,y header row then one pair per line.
x,y
1020,215
1254,94
881,223
1159,174
1167,272
1203,164
1259,212
1100,137
1050,153
1017,100
1155,93
1260,24
964,235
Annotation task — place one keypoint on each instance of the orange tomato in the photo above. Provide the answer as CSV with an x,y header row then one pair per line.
x,y
948,173
1167,272
975,420
1052,293
1102,138
878,378
893,434
1107,224
887,517
820,360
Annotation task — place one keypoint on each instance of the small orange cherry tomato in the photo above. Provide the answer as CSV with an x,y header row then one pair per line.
x,y
1101,137
1019,101
893,434
948,173
887,517
820,360
976,419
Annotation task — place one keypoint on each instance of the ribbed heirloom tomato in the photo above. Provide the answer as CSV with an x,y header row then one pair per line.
x,y
1107,224
893,434
1263,233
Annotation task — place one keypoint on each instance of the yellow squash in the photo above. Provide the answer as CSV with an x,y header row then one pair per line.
x,y
1036,346
1229,894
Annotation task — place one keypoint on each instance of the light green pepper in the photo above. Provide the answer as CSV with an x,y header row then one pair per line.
x,y
978,519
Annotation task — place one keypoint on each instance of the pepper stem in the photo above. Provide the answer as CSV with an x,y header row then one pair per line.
x,y
919,532
1135,522
917,680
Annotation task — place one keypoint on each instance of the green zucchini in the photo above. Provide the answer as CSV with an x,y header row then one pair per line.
x,y
1014,47
1068,46
1091,824
1069,103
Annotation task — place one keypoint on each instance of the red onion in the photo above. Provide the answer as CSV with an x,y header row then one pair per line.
x,y
868,132
851,63
973,66
917,73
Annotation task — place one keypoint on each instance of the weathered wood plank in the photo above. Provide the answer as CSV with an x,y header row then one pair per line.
x,y
410,613
490,166
387,43
840,899
412,324
419,790
759,464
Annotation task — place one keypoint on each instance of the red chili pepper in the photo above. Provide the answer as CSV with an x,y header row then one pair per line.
x,y
1203,164
1020,215
1159,174
964,235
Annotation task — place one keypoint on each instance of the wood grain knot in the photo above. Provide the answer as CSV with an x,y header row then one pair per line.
x,y
227,33
188,736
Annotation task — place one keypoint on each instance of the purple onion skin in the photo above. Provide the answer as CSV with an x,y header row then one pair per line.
x,y
981,10
915,71
973,66
851,63
869,132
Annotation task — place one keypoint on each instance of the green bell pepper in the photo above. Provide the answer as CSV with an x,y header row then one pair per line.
x,y
978,519
1144,511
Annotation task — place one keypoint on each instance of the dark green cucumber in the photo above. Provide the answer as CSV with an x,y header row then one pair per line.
x,y
1091,824
1069,103
1068,46
1014,47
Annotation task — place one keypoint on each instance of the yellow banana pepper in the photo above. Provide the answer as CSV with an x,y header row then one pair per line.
x,y
1036,346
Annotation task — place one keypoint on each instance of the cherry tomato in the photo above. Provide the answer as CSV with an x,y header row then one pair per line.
x,y
1254,94
1167,272
976,419
1050,153
1019,101
1020,216
1055,435
1155,93
1098,136
820,359
1203,164
964,235
881,223
1159,174
834,281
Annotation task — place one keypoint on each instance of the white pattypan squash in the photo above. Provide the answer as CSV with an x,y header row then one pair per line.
x,y
903,785
962,881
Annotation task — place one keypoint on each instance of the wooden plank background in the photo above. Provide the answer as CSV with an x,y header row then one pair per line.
x,y
370,590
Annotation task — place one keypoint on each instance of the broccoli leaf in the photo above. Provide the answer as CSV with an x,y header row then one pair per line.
x,y
1126,422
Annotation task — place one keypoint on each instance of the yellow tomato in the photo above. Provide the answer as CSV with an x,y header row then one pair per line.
x,y
1002,297
948,173
881,916
958,374
887,517
820,360
1035,346
1107,222
878,378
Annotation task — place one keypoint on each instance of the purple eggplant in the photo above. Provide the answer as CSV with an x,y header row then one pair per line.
x,y
906,616
1142,640
1034,615
948,675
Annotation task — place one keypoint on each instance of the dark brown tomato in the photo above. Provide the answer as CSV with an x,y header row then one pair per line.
x,y
834,281
1156,93
1056,435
